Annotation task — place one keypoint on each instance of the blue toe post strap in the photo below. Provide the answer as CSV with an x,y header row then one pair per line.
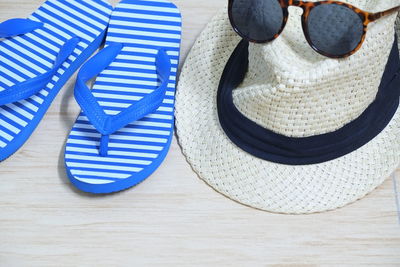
x,y
109,124
30,87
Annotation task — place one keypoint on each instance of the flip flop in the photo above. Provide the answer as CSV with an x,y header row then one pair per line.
x,y
126,125
37,57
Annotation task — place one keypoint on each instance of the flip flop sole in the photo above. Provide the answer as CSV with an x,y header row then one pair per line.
x,y
32,54
138,149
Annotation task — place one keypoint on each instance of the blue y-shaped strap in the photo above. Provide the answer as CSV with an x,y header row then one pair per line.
x,y
108,124
30,87
14,27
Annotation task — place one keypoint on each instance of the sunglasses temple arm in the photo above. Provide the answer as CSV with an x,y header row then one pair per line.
x,y
379,15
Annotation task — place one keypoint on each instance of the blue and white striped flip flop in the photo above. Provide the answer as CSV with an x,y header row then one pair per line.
x,y
126,125
37,57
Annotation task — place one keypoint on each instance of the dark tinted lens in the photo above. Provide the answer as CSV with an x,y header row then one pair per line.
x,y
258,20
335,29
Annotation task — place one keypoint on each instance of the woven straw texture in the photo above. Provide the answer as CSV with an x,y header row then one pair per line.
x,y
293,91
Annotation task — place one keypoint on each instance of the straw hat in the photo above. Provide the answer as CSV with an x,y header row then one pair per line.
x,y
292,91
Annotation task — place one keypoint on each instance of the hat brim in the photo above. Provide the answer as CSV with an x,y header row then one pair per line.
x,y
258,183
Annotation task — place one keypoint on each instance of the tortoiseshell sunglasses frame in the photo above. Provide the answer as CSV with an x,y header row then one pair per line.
x,y
366,18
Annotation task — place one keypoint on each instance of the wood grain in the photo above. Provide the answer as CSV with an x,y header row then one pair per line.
x,y
173,218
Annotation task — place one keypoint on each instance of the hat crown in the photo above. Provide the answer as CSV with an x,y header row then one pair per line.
x,y
292,90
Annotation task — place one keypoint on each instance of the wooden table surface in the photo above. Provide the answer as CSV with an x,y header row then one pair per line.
x,y
173,218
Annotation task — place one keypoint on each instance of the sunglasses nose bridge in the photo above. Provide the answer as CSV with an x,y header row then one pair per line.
x,y
295,30
296,3
303,6
295,9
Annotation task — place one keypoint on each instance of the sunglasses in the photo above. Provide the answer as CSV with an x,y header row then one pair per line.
x,y
332,28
